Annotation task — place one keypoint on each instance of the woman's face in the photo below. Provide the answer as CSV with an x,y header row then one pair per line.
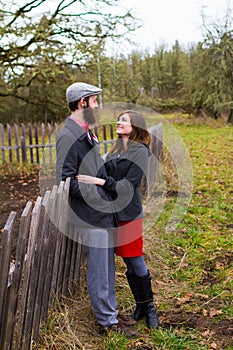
x,y
123,126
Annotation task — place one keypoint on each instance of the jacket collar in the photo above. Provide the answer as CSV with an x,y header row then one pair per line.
x,y
78,132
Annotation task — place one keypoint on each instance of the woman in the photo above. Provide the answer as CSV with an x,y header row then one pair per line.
x,y
126,164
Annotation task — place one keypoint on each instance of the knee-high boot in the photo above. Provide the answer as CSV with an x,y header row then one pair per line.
x,y
142,292
135,289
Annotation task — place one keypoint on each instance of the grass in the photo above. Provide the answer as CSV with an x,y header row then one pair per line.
x,y
18,168
191,266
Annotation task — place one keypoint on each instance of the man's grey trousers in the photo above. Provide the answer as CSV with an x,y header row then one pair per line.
x,y
99,250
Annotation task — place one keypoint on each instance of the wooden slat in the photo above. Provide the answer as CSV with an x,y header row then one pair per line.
x,y
25,305
105,138
50,142
42,267
66,205
9,141
57,211
111,132
96,131
5,257
3,143
71,285
52,234
78,262
16,132
62,283
61,267
33,286
23,149
30,142
23,130
43,142
22,243
156,148
156,142
23,144
56,130
37,142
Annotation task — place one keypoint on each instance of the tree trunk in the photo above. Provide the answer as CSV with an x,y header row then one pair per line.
x,y
230,117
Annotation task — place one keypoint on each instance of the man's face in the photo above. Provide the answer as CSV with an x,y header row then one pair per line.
x,y
93,102
89,111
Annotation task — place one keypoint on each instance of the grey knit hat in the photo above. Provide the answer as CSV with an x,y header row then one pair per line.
x,y
77,91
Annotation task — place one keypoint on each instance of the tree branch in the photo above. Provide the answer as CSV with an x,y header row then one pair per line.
x,y
24,9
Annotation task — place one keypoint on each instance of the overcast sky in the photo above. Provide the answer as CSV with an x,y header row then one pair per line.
x,y
168,20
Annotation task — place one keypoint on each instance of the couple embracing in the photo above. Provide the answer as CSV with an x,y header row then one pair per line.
x,y
106,206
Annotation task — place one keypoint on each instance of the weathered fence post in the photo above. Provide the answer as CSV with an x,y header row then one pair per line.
x,y
30,142
41,268
23,149
50,242
3,143
29,279
54,282
16,131
9,141
5,257
156,149
62,283
148,181
22,244
50,142
37,142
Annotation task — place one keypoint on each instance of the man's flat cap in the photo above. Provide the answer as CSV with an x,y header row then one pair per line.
x,y
77,91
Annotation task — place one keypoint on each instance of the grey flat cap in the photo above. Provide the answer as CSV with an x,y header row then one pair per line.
x,y
77,91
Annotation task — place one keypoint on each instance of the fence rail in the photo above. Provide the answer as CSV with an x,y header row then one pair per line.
x,y
47,263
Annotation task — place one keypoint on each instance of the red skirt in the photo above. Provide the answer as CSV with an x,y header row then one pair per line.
x,y
129,238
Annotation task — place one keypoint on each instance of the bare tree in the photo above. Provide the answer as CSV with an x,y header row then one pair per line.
x,y
40,37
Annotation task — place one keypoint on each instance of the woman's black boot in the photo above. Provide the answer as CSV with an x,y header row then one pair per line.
x,y
143,295
134,286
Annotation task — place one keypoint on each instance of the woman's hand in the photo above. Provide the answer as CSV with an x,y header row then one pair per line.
x,y
91,180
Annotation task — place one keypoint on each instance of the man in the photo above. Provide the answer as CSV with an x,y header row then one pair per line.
x,y
78,153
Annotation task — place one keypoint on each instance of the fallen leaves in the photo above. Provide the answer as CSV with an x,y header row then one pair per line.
x,y
214,312
16,190
187,298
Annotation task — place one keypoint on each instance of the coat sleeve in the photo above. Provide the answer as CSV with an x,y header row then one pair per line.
x,y
138,165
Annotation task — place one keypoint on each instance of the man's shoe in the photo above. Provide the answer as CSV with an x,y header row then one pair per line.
x,y
127,321
120,328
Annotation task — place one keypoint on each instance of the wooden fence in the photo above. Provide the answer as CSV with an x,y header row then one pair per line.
x,y
35,144
47,263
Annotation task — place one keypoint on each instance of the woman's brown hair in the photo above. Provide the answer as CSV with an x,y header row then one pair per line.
x,y
139,131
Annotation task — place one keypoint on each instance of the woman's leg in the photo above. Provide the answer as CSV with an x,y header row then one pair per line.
x,y
136,265
139,279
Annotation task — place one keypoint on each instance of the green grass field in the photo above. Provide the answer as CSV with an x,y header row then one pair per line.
x,y
192,266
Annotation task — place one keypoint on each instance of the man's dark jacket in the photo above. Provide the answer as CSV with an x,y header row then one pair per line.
x,y
79,154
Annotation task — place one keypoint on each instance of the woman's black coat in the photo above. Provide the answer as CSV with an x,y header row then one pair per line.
x,y
125,172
